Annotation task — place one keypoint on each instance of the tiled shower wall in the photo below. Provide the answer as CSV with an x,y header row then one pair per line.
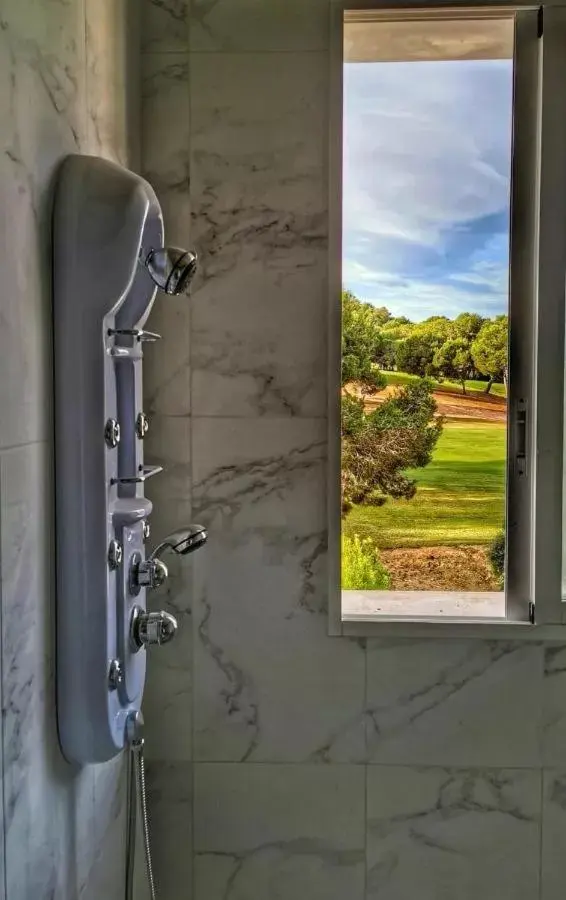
x,y
67,84
285,763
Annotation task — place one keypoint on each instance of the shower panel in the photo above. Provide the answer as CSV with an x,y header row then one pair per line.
x,y
109,261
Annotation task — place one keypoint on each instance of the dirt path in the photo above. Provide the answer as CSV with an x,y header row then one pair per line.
x,y
440,568
453,405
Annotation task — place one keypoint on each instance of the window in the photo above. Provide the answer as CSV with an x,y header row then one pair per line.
x,y
447,319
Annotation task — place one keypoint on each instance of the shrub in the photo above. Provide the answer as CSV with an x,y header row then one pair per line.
x,y
378,447
497,555
362,568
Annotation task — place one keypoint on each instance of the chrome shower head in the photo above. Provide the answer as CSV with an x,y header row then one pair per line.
x,y
183,542
171,268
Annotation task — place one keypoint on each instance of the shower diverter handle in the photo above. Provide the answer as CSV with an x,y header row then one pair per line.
x,y
149,573
147,629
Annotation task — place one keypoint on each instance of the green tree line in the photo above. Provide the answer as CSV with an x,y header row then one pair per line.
x,y
469,347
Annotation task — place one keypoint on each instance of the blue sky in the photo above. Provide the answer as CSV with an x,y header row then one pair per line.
x,y
427,156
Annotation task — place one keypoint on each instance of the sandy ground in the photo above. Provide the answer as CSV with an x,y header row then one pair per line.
x,y
453,405
439,568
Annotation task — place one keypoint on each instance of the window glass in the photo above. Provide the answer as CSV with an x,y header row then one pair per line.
x,y
427,125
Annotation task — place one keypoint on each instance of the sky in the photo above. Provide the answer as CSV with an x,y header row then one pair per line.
x,y
427,159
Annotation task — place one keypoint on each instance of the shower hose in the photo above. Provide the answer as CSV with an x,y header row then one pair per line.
x,y
137,792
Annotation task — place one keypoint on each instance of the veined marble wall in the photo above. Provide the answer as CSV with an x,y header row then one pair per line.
x,y
67,84
287,763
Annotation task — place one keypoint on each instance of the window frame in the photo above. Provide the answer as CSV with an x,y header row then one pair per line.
x,y
537,332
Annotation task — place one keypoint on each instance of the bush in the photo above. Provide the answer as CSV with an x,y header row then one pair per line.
x,y
378,447
497,555
362,568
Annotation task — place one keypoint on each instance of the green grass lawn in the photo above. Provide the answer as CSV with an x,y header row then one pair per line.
x,y
460,496
497,390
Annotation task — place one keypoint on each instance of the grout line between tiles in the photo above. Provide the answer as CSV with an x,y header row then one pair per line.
x,y
263,416
172,51
422,767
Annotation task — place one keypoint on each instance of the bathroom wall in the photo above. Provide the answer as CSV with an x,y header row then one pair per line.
x,y
286,763
67,84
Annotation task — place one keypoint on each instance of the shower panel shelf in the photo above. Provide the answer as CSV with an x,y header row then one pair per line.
x,y
137,333
145,473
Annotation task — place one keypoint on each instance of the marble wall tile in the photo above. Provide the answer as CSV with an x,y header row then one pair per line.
x,y
77,828
441,833
268,357
271,684
165,164
171,814
165,121
553,864
258,155
48,805
256,25
165,25
112,70
259,209
165,137
251,475
107,835
27,667
42,76
168,444
455,703
168,695
266,832
167,374
167,702
553,734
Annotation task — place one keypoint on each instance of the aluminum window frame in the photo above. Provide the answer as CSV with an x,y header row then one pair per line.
x,y
537,326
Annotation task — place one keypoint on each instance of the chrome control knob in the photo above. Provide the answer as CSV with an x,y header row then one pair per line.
x,y
147,629
149,573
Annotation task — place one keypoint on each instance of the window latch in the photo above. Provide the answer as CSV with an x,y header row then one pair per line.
x,y
521,446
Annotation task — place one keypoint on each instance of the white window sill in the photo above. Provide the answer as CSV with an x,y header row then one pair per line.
x,y
370,606
432,614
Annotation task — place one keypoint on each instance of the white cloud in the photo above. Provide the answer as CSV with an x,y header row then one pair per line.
x,y
418,299
427,154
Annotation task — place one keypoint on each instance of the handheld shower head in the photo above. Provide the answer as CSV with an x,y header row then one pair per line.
x,y
171,268
183,542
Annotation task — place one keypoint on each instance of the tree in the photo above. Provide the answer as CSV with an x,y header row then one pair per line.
x,y
396,321
398,328
454,360
490,350
382,314
361,344
415,354
467,325
378,448
436,328
386,357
